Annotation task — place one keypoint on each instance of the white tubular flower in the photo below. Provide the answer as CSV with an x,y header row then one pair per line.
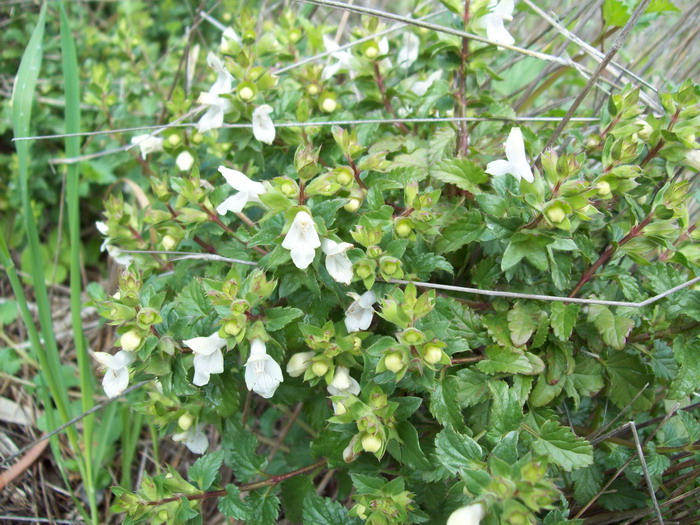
x,y
263,127
495,29
408,54
299,362
467,515
229,35
113,251
337,262
208,358
194,439
147,144
218,106
420,87
343,59
184,161
116,367
359,314
342,385
384,50
516,164
262,373
302,240
248,191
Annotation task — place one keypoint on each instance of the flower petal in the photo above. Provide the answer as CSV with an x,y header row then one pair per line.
x,y
115,381
234,203
240,181
340,268
515,152
198,442
212,119
263,127
205,365
498,168
408,54
367,299
303,256
205,345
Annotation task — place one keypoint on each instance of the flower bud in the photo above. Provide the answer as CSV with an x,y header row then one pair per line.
x,y
319,368
130,340
353,205
374,251
371,51
646,130
339,408
329,105
245,93
185,421
603,188
432,353
394,362
299,362
371,443
403,227
361,510
389,265
233,327
174,140
364,269
163,515
148,316
555,214
313,89
412,336
169,243
197,137
344,175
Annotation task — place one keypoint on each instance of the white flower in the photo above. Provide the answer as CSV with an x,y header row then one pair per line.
x,y
343,384
248,191
116,366
208,358
148,144
337,262
692,158
467,515
408,54
343,59
263,127
302,240
218,106
383,51
495,29
194,439
420,87
516,164
113,251
359,314
184,161
299,362
262,373
228,36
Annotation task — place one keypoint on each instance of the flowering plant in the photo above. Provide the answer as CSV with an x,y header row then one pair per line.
x,y
313,321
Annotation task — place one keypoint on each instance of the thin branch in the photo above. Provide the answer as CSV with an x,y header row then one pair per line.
x,y
358,122
619,41
643,462
452,288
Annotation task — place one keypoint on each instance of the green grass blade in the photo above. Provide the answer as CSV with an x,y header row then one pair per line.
x,y
71,80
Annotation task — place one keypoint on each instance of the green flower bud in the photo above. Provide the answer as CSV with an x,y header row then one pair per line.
x,y
374,251
394,362
185,421
344,175
371,51
432,353
353,205
390,265
371,443
163,515
329,105
169,243
403,227
313,90
364,269
130,340
197,137
603,188
412,336
555,214
319,368
340,409
294,36
148,316
174,140
233,327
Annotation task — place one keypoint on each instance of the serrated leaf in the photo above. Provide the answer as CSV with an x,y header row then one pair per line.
x,y
232,506
442,404
465,230
293,495
204,471
627,377
522,322
462,172
240,447
562,447
322,511
614,329
508,361
266,507
687,353
278,318
563,319
456,451
587,483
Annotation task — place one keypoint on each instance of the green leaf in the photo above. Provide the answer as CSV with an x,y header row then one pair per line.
x,y
293,494
240,447
562,446
322,511
457,451
506,408
614,329
522,322
232,506
504,361
266,507
204,471
627,377
462,172
687,353
442,404
563,319
587,483
465,230
411,452
526,246
278,318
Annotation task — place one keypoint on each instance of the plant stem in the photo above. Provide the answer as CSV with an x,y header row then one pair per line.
x,y
608,253
246,487
385,99
461,85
